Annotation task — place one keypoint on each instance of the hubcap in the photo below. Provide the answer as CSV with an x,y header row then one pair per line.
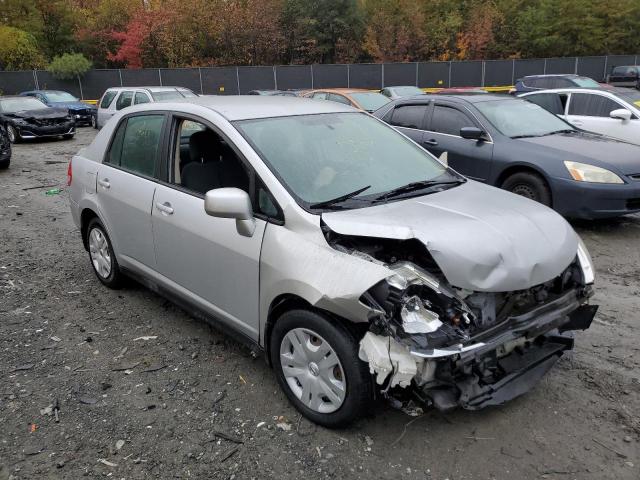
x,y
312,370
99,251
525,191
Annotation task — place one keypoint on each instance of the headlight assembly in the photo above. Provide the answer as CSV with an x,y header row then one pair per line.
x,y
586,264
583,172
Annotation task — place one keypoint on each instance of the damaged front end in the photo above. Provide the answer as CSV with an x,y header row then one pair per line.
x,y
453,347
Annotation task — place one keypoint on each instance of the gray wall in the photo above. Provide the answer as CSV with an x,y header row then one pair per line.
x,y
241,80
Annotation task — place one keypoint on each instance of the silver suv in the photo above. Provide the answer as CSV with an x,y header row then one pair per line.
x,y
334,243
115,99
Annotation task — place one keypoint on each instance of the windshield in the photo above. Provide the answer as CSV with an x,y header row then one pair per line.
x,y
407,91
187,93
12,105
519,118
370,101
629,95
166,95
60,97
321,157
586,82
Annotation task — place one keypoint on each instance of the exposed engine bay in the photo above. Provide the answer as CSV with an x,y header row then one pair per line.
x,y
454,347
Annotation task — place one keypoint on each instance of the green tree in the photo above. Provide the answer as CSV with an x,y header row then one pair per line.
x,y
18,50
69,65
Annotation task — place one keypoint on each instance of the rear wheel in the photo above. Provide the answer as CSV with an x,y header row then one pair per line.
x,y
103,260
4,164
529,185
14,136
316,363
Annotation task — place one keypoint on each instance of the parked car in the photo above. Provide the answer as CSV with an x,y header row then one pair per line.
x,y
399,92
81,112
5,148
615,113
521,147
625,76
532,83
325,238
116,98
27,118
277,93
359,98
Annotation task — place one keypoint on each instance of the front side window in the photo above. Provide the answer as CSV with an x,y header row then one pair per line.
x,y
519,118
449,120
107,99
323,156
588,105
124,100
136,144
408,116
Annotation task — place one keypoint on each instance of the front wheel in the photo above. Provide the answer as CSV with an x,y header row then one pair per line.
x,y
316,363
529,185
94,123
14,136
103,260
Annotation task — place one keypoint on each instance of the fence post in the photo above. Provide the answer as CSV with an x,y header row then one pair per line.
x,y
575,69
238,79
311,76
513,71
348,77
449,84
417,64
35,79
275,78
200,74
120,74
382,76
160,77
80,85
604,74
483,67
544,69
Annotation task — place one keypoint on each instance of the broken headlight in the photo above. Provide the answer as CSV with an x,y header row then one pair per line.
x,y
586,264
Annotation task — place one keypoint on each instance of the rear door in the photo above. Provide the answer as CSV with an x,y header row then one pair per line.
x,y
591,112
126,184
472,158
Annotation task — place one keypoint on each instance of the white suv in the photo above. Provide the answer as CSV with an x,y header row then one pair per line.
x,y
117,98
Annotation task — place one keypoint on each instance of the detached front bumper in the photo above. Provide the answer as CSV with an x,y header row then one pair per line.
x,y
506,361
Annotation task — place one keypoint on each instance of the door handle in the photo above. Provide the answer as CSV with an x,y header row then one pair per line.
x,y
104,183
431,142
165,208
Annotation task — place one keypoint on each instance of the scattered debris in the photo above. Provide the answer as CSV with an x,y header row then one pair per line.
x,y
39,186
284,426
220,396
125,366
53,191
48,411
147,337
620,454
119,444
56,339
229,453
107,462
85,399
21,368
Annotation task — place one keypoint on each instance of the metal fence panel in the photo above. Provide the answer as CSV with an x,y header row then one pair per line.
x,y
46,81
143,77
290,77
398,74
12,83
220,81
523,68
466,74
256,78
561,65
592,67
433,74
498,73
330,76
95,82
181,77
365,75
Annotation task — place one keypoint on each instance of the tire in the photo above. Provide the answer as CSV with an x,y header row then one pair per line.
x,y
343,386
529,185
14,136
94,122
101,255
4,164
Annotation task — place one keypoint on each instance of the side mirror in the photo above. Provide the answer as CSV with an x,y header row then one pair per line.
x,y
622,114
471,133
231,203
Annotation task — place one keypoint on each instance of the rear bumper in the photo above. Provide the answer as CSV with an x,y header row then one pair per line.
x,y
592,200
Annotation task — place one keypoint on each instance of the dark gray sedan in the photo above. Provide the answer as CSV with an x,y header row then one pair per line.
x,y
519,146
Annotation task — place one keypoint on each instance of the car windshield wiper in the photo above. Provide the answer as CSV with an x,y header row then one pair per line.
x,y
415,186
566,130
525,136
340,199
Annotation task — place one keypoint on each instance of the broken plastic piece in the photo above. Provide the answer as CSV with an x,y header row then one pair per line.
x,y
417,319
386,356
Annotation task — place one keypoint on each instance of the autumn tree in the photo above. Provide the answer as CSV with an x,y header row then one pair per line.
x,y
18,50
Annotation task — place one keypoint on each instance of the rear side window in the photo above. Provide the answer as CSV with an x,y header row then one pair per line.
x,y
107,98
408,116
319,96
338,98
590,105
141,98
136,144
449,120
124,100
549,101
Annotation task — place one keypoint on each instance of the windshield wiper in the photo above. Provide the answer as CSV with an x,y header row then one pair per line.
x,y
566,130
340,199
525,136
415,186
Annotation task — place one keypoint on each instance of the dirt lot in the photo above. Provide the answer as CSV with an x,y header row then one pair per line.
x,y
144,391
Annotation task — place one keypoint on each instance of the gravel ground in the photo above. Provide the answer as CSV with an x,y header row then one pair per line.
x,y
123,384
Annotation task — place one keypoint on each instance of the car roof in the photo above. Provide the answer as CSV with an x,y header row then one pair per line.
x,y
245,107
21,97
343,90
456,98
150,89
555,75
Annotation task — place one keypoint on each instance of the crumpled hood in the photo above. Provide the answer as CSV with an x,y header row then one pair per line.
x,y
40,113
481,237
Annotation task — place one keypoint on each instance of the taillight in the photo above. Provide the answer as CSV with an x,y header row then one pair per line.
x,y
69,174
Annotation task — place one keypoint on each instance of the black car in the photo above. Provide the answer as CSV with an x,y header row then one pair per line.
x,y
5,149
625,76
519,146
27,118
532,83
